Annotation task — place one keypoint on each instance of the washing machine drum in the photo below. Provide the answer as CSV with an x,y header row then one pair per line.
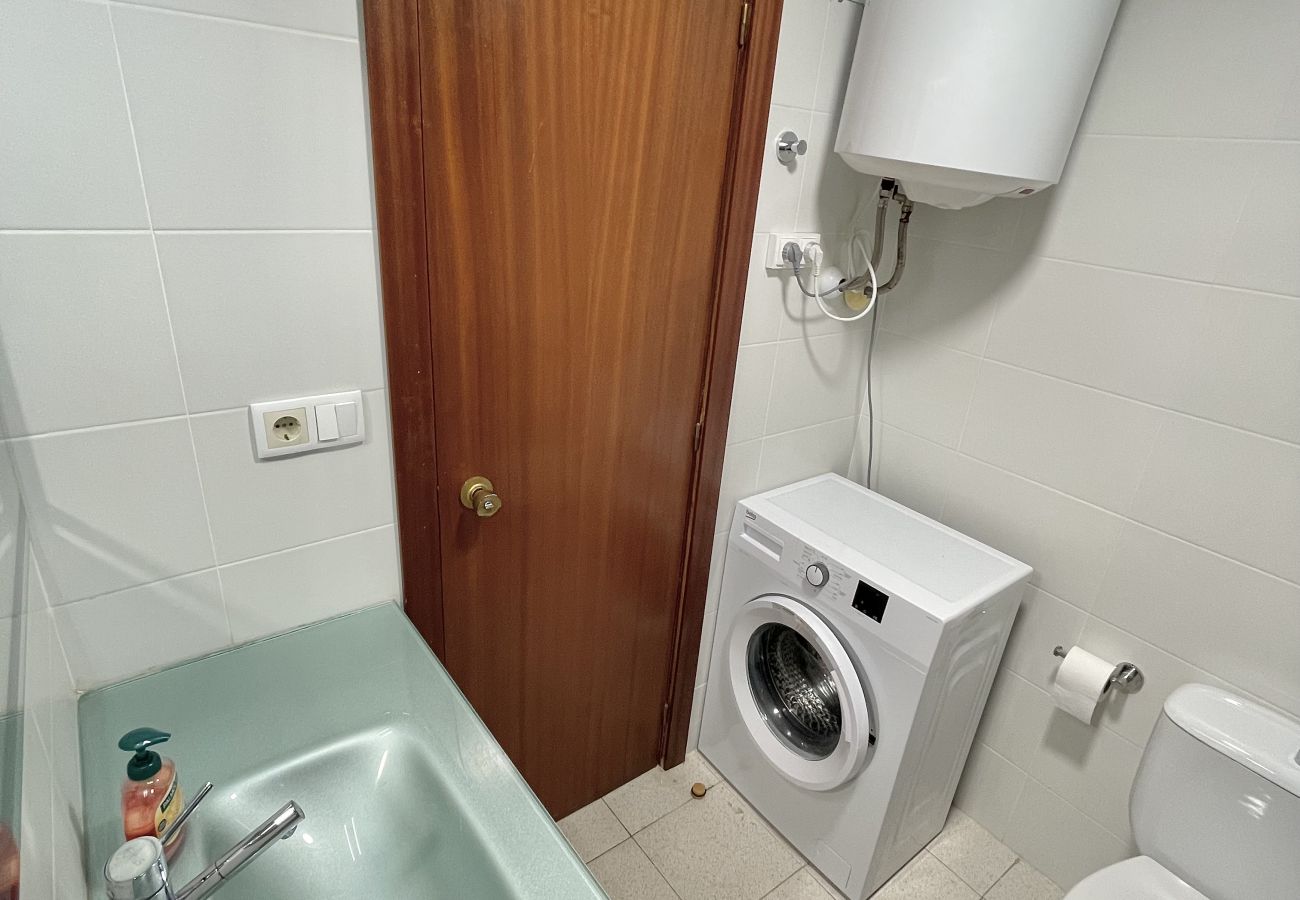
x,y
799,693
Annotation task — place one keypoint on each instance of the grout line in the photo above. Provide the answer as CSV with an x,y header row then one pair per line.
x,y
1144,274
1121,516
1109,393
167,11
72,232
171,330
283,550
262,231
1194,138
128,423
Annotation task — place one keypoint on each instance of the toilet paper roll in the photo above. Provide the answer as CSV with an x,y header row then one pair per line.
x,y
1080,682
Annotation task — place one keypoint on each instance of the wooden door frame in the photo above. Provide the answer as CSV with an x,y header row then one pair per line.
x,y
392,52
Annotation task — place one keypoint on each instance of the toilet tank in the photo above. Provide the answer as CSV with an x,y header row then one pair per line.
x,y
1216,799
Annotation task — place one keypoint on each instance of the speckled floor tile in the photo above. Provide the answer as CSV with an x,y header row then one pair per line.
x,y
925,878
976,856
717,848
657,793
626,873
802,885
592,830
1024,882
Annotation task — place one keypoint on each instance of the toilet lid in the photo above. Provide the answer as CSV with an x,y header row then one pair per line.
x,y
1139,878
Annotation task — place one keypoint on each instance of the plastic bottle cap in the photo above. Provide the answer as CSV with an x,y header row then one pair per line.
x,y
146,763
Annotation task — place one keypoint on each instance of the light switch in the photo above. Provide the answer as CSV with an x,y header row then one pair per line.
x,y
327,424
346,416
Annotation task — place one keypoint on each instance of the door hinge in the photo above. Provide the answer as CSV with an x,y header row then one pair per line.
x,y
699,429
744,21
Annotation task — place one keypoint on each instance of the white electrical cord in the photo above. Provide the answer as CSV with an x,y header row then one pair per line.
x,y
814,250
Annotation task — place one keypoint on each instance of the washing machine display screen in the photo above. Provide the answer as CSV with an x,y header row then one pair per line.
x,y
869,601
794,690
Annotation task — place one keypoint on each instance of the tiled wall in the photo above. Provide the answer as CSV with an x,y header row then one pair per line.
x,y
1104,381
186,227
798,386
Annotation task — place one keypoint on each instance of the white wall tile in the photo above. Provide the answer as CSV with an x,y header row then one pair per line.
x,y
1089,444
1230,491
842,25
12,520
294,587
1015,719
919,471
37,864
115,636
1163,206
800,454
989,789
923,388
66,153
1216,614
244,127
84,333
338,17
1058,840
1197,68
750,394
115,507
831,190
1042,623
739,479
948,294
799,50
1261,253
259,506
992,225
1214,352
1090,768
711,609
816,380
764,298
779,184
266,315
1067,541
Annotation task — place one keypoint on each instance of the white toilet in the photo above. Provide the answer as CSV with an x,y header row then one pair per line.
x,y
1215,806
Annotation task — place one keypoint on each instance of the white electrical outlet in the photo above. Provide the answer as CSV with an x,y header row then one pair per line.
x,y
776,242
287,427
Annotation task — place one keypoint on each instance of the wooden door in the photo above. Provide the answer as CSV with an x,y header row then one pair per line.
x,y
575,158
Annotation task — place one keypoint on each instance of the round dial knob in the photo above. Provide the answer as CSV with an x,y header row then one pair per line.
x,y
817,574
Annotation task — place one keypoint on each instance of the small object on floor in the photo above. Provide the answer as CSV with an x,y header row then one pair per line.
x,y
698,790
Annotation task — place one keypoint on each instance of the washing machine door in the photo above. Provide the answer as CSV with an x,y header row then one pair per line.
x,y
798,692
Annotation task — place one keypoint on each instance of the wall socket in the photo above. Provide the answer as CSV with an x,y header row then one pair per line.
x,y
304,424
775,242
286,428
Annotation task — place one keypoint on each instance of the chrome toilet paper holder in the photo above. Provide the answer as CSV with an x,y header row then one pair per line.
x,y
1126,677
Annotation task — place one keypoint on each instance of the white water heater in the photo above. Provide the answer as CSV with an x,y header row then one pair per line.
x,y
965,100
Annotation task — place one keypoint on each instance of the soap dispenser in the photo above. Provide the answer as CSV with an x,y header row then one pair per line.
x,y
151,793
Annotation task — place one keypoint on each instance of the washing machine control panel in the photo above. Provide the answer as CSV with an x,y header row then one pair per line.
x,y
816,574
830,582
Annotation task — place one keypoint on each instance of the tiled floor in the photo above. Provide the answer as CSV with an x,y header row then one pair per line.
x,y
650,840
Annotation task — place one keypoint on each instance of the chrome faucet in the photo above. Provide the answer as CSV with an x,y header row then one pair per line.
x,y
137,870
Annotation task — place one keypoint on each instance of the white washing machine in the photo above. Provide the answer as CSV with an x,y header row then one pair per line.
x,y
855,646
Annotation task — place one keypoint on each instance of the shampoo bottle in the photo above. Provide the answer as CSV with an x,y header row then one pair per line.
x,y
151,793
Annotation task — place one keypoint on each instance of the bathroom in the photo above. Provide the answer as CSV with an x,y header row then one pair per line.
x,y
379,381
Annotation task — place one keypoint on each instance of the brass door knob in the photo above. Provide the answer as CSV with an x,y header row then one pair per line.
x,y
477,494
